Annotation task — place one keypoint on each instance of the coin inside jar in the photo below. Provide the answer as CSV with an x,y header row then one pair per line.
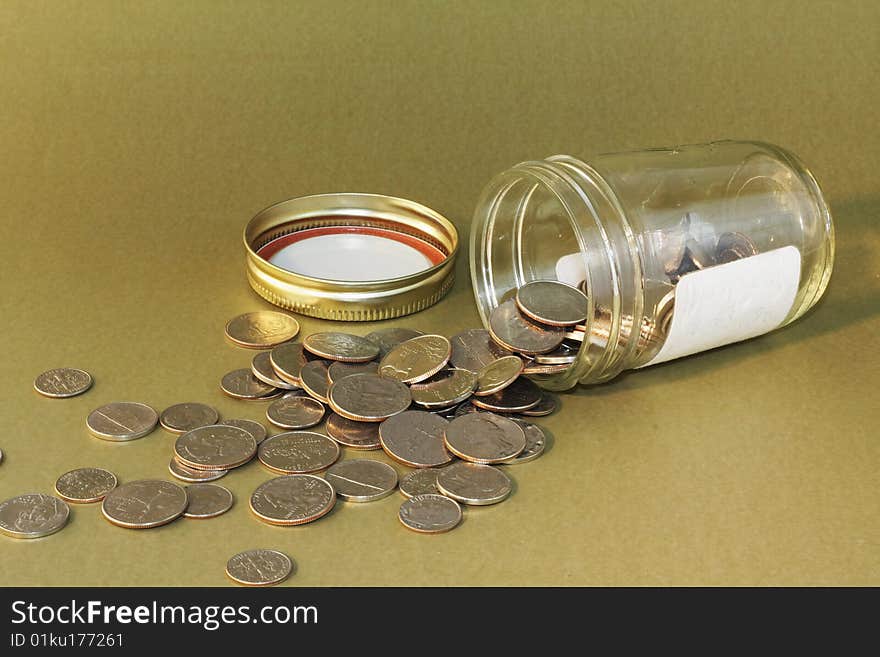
x,y
287,361
181,418
551,302
430,514
484,438
261,367
314,379
351,433
191,475
369,397
415,438
419,482
122,421
295,412
477,485
341,346
518,333
85,485
215,447
144,504
446,388
63,382
257,430
362,480
474,349
262,329
498,374
242,384
339,370
207,501
734,246
293,500
33,515
519,396
298,452
388,338
416,359
259,567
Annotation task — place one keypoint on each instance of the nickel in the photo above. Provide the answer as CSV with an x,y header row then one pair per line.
x,y
362,480
122,421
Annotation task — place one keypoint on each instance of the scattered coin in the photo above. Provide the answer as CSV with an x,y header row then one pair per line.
x,y
474,349
351,433
519,396
215,447
369,397
259,567
293,499
295,412
341,346
551,302
498,374
122,421
314,379
419,482
512,330
416,359
484,438
207,501
144,504
261,367
242,384
263,329
445,389
339,370
85,485
388,338
287,360
734,246
63,382
470,483
362,480
467,407
430,514
548,404
415,438
33,515
191,475
257,430
181,418
536,440
298,452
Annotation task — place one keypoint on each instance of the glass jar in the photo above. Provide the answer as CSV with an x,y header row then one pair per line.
x,y
678,250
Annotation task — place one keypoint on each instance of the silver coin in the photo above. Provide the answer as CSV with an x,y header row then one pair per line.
x,y
293,500
85,485
215,447
551,302
298,452
181,418
287,361
430,514
368,397
415,438
474,349
474,484
445,389
519,396
351,433
548,404
191,475
362,480
341,346
513,330
416,359
144,504
419,482
261,367
315,380
562,355
295,412
122,421
33,515
498,374
242,384
339,370
259,567
388,338
484,438
63,382
536,440
257,430
467,407
207,501
262,329
734,246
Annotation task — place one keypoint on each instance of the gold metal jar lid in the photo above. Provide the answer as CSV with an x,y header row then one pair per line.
x,y
351,257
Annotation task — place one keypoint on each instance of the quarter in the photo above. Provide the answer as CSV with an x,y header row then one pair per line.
x,y
191,475
498,374
293,500
207,501
362,480
259,567
314,379
416,359
257,430
388,338
445,389
369,397
474,349
339,370
519,396
262,329
291,412
287,360
548,404
298,452
351,433
242,384
477,485
415,438
261,367
341,346
516,332
430,514
33,515
215,447
181,418
122,421
85,485
551,302
484,438
419,482
63,382
144,504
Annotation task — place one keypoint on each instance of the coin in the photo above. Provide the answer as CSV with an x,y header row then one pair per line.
x,y
697,255
538,368
519,396
514,331
85,485
144,504
242,384
351,433
341,346
257,430
430,514
215,447
191,475
388,338
121,421
498,374
33,515
415,438
474,349
63,382
295,412
287,360
261,368
536,440
262,329
446,388
416,359
474,484
419,482
298,452
339,370
734,246
548,404
362,480
314,379
293,499
181,418
259,567
551,302
562,355
484,438
207,501
369,397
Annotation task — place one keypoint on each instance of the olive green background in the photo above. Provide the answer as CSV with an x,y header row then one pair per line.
x,y
138,139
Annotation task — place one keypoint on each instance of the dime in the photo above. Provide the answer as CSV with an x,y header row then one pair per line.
x,y
341,346
215,447
419,482
498,374
121,421
518,333
261,367
298,452
734,246
191,475
548,404
293,499
519,396
470,483
259,567
314,379
257,430
388,338
362,480
262,329
445,389
484,438
85,485
369,397
144,504
351,433
207,501
181,418
339,370
33,515
474,349
416,359
551,302
242,384
63,382
415,438
430,514
295,412
287,360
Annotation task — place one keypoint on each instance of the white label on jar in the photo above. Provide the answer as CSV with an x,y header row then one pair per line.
x,y
731,302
